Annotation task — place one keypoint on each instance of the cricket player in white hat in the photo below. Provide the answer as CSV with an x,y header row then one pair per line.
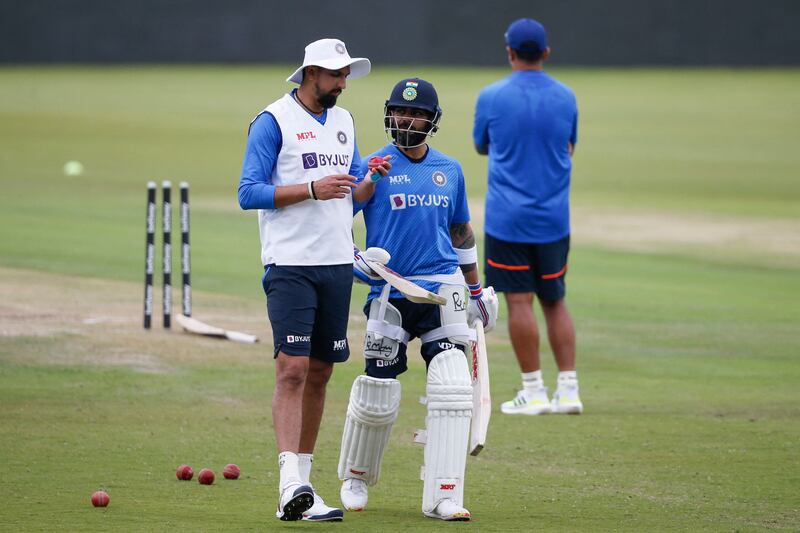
x,y
299,171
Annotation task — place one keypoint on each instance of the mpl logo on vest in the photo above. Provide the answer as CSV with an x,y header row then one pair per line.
x,y
316,160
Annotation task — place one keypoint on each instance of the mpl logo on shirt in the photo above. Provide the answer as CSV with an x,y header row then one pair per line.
x,y
402,201
316,160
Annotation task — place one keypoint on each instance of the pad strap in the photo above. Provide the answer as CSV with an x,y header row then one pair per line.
x,y
447,331
389,330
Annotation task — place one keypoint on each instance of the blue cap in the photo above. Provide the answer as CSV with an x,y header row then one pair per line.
x,y
415,93
526,35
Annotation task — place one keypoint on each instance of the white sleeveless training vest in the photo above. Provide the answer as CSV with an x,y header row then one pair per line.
x,y
312,232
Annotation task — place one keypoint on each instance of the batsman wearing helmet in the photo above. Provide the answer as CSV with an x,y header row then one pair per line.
x,y
417,223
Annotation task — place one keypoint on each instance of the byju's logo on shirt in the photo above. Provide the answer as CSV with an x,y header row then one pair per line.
x,y
291,339
401,201
315,160
398,201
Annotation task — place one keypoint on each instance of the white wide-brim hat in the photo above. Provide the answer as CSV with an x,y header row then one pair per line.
x,y
332,55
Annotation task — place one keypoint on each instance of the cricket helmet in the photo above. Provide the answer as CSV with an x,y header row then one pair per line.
x,y
412,93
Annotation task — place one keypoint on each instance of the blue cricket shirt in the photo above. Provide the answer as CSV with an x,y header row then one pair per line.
x,y
527,122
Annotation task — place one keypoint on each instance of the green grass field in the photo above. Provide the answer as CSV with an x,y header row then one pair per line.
x,y
684,281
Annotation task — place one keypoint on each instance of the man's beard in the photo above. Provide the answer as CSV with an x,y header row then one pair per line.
x,y
327,100
408,139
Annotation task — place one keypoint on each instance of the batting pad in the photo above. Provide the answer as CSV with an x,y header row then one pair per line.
x,y
373,408
449,393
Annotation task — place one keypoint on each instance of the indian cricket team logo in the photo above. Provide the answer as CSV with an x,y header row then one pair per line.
x,y
410,92
340,48
341,137
398,201
439,178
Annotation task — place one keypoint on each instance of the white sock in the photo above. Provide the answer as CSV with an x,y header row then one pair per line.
x,y
568,375
289,471
304,464
532,381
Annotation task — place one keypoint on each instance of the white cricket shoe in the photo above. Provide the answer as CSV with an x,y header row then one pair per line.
x,y
295,499
354,494
319,512
566,400
526,403
449,510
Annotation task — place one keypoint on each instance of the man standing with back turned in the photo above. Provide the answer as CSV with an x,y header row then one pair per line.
x,y
298,172
527,124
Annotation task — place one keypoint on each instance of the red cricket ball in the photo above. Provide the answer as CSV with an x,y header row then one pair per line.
x,y
206,476
184,473
377,160
231,471
100,498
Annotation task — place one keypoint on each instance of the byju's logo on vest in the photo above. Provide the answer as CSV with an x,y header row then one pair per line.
x,y
315,160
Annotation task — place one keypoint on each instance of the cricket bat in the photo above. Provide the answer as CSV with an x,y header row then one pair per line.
x,y
410,290
192,325
481,398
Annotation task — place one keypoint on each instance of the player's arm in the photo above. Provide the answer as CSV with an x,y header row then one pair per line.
x,y
264,140
480,129
464,244
482,303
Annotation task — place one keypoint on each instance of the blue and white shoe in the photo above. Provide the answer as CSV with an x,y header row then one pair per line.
x,y
294,501
319,512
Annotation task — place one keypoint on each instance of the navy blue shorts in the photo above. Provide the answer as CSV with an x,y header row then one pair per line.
x,y
308,307
524,267
417,319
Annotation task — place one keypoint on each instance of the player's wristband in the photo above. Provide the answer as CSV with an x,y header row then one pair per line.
x,y
311,193
467,256
375,176
475,291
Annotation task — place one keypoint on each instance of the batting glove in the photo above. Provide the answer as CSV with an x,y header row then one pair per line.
x,y
483,306
362,273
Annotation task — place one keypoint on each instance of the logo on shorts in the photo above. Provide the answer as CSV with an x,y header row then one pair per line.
x,y
398,201
383,362
446,345
439,178
291,339
340,344
341,137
